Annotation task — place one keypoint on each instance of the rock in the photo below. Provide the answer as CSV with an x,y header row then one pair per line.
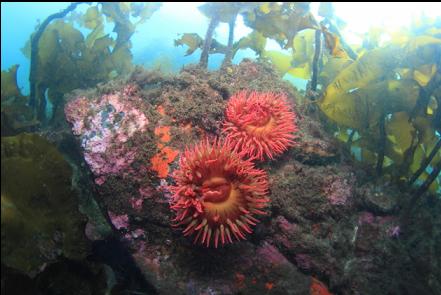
x,y
313,225
379,199
240,269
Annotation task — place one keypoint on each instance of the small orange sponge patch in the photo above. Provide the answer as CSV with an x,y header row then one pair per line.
x,y
318,288
164,133
161,161
166,155
161,110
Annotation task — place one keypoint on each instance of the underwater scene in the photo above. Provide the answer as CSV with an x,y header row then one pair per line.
x,y
221,148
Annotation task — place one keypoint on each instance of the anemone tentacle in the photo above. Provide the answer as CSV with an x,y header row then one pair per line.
x,y
217,194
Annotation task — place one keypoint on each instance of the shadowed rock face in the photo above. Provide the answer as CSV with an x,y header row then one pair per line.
x,y
322,222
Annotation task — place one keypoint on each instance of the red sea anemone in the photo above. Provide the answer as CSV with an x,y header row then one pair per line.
x,y
259,124
217,194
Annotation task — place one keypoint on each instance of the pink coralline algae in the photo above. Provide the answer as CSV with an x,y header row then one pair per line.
x,y
135,234
338,190
271,255
394,231
119,221
145,193
366,218
105,125
369,218
304,261
285,226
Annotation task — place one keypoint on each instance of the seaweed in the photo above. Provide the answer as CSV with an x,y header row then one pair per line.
x,y
221,12
40,220
34,55
16,115
281,21
291,24
389,96
63,59
217,13
315,61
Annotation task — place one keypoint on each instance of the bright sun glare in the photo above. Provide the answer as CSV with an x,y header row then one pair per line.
x,y
359,17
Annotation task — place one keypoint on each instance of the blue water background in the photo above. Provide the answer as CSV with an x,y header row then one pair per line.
x,y
153,41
